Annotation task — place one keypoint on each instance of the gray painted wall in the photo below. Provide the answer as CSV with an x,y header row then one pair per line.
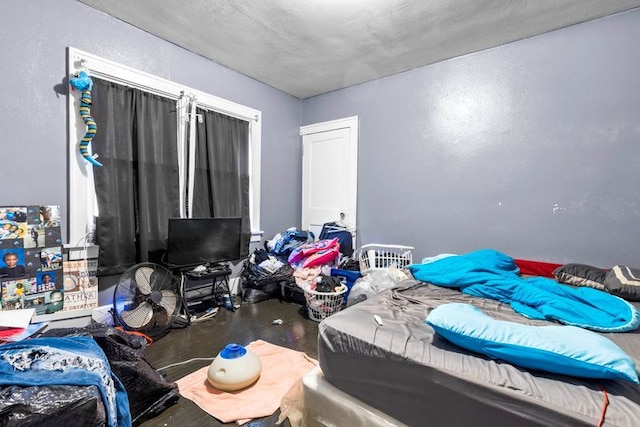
x,y
531,148
34,36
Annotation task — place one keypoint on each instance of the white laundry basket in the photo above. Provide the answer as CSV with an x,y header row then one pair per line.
x,y
323,304
377,256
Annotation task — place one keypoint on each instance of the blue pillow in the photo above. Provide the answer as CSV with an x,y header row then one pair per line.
x,y
567,350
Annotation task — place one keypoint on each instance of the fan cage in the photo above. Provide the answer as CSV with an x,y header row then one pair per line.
x,y
147,295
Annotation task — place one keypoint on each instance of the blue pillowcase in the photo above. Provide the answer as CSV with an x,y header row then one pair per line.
x,y
567,350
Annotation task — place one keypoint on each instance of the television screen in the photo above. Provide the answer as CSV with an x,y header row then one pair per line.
x,y
193,241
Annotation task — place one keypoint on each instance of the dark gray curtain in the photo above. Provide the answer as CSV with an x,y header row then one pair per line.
x,y
137,188
221,186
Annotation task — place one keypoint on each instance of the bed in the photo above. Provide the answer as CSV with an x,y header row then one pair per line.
x,y
404,369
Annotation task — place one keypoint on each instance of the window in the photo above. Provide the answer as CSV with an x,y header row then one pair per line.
x,y
82,198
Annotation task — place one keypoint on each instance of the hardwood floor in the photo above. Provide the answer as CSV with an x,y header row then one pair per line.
x,y
205,339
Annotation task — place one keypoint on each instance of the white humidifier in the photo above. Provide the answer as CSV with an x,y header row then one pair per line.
x,y
235,368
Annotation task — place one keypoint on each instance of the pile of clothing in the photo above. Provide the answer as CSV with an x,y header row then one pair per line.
x,y
314,254
266,273
313,262
263,275
285,242
292,262
96,375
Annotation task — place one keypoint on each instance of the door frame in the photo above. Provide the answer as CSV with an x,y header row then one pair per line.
x,y
350,123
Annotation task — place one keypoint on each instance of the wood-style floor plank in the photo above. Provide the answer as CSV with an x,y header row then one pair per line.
x,y
248,323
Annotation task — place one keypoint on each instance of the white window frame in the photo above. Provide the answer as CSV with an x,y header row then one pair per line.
x,y
82,198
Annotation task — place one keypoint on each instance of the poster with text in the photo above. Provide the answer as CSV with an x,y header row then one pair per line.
x,y
31,258
80,285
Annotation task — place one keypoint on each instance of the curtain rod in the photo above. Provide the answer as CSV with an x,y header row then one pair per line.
x,y
82,60
170,95
128,83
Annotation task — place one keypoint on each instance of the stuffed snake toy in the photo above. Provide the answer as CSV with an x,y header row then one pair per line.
x,y
83,82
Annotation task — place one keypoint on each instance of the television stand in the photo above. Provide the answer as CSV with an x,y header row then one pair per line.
x,y
210,284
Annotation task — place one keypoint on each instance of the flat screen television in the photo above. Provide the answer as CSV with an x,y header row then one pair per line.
x,y
194,241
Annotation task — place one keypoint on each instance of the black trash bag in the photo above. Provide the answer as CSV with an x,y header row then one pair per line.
x,y
290,292
260,284
148,391
258,276
266,292
54,405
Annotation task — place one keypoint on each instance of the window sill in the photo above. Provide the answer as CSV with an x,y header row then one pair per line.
x,y
78,252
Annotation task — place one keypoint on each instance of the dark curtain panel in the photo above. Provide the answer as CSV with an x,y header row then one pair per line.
x,y
221,187
137,188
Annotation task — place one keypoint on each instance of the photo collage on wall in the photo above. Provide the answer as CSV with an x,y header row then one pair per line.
x,y
31,258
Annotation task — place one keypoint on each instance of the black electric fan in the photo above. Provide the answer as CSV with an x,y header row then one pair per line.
x,y
147,299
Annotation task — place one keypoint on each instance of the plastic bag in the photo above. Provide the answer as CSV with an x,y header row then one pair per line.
x,y
53,405
148,391
375,282
255,276
259,283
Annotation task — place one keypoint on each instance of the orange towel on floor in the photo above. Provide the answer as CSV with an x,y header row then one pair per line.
x,y
281,368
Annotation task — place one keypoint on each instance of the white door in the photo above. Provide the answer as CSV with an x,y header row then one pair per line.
x,y
330,174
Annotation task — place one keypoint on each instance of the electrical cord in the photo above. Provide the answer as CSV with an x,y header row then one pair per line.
x,y
83,239
84,284
184,362
209,314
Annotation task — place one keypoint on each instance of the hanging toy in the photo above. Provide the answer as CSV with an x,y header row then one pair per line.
x,y
83,82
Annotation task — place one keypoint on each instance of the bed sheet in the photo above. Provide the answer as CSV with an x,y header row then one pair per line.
x,y
404,369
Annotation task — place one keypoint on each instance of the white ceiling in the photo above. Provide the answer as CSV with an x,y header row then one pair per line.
x,y
310,47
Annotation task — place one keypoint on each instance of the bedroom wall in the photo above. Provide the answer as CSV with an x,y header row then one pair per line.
x,y
34,36
531,148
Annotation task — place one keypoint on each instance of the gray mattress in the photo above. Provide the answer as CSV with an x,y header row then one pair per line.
x,y
404,369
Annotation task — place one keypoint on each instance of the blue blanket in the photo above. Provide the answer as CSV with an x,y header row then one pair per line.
x,y
491,274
